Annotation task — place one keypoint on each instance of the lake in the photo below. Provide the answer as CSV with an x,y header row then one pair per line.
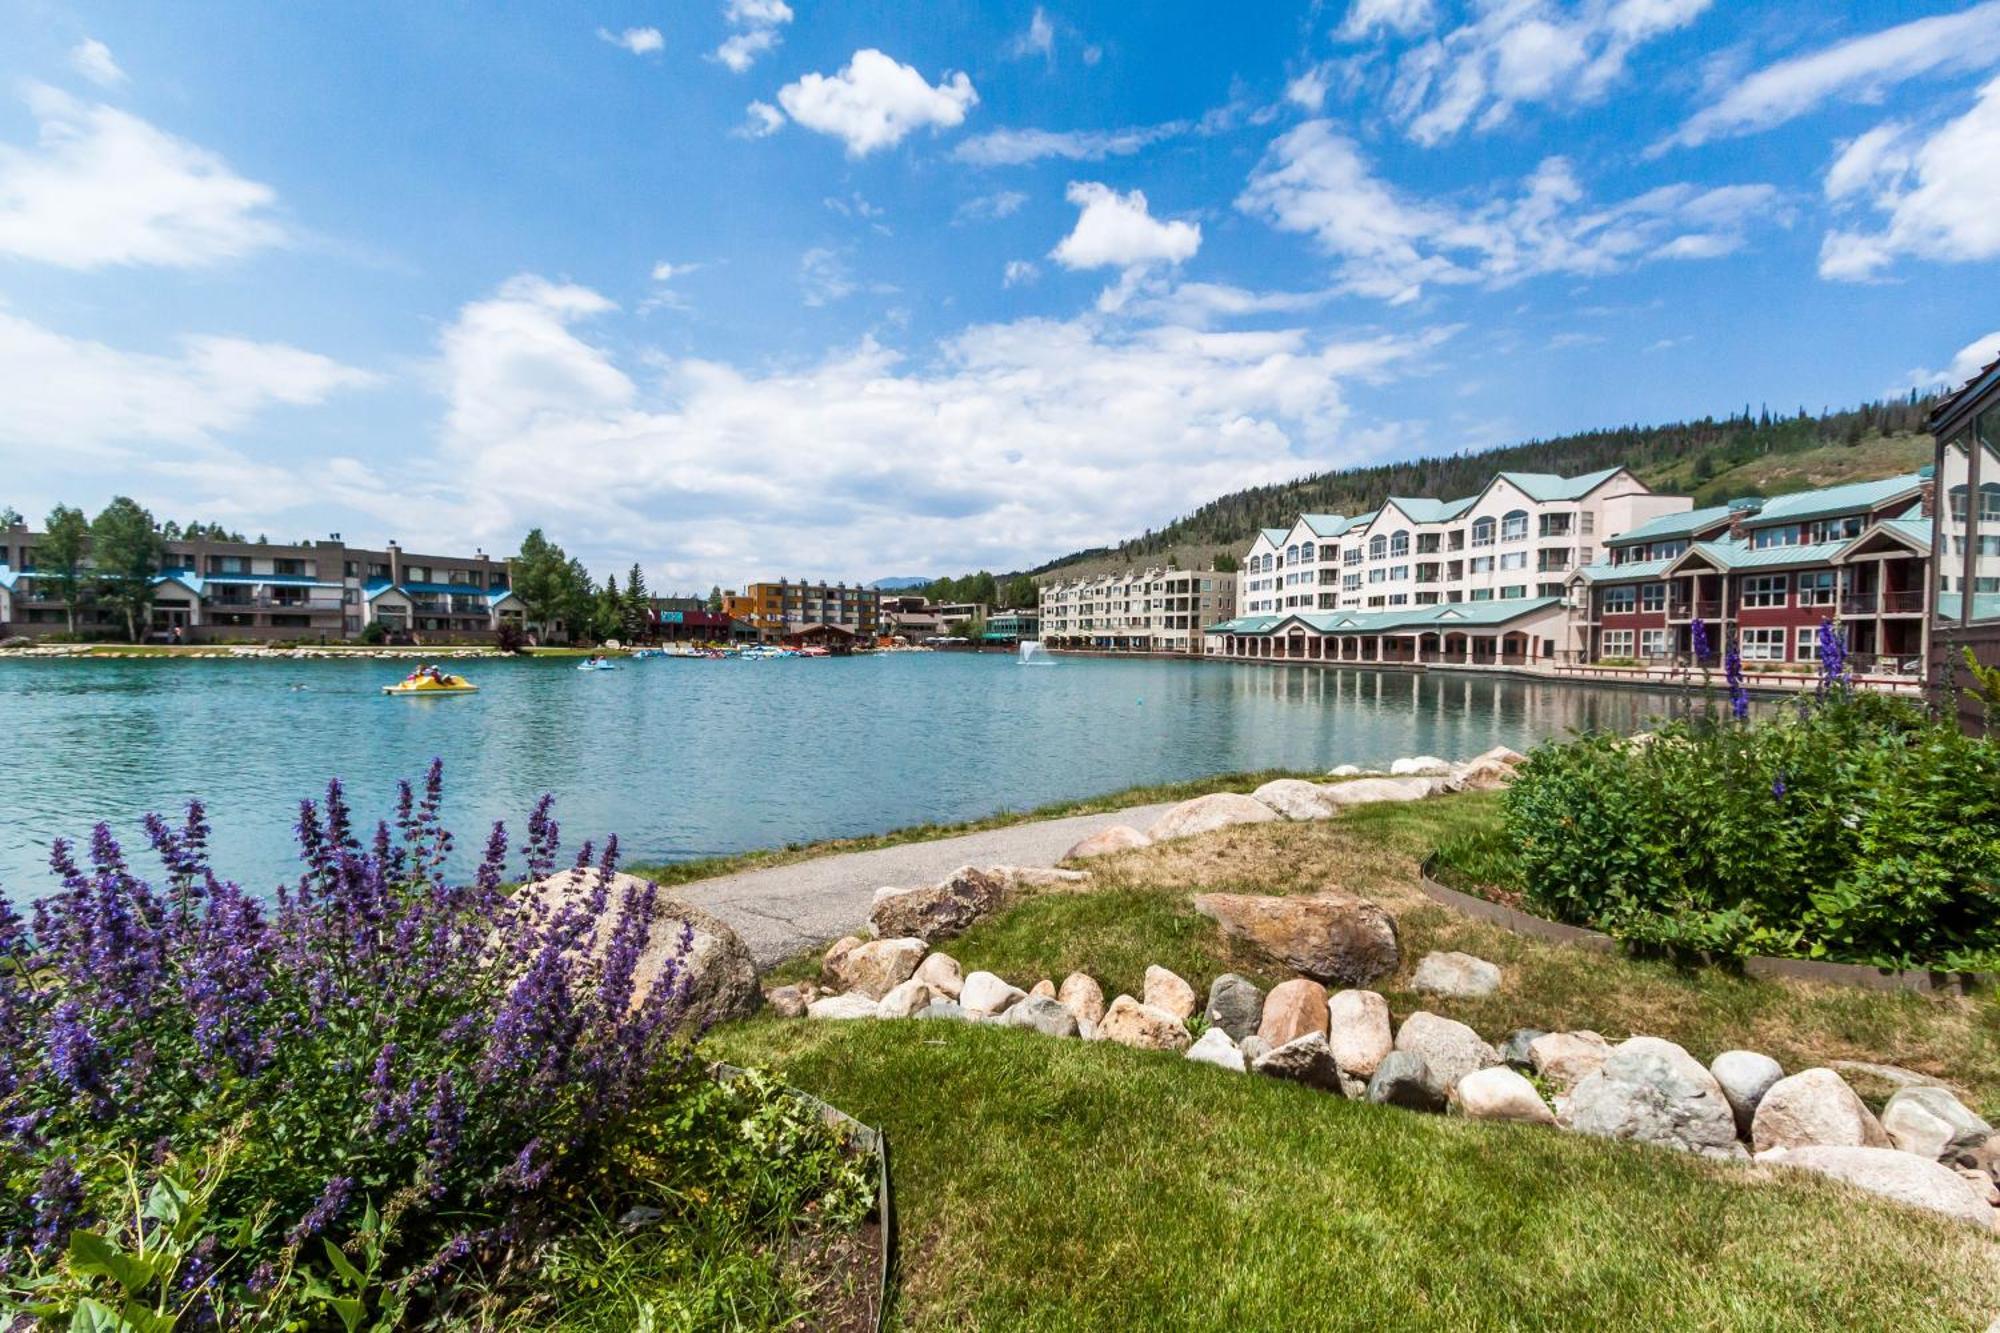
x,y
691,758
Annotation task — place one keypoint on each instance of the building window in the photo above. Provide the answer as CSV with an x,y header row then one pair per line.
x,y
1399,599
1291,555
1784,535
1482,594
1620,601
1378,547
1399,573
1482,531
1766,589
1653,643
1762,645
1482,564
1514,526
1589,525
1514,560
1653,597
1350,555
1554,525
1307,553
1816,587
1512,590
1399,546
1427,543
1615,643
1378,575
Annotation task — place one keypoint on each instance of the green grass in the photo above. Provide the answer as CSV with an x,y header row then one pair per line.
x,y
1063,1185
1782,474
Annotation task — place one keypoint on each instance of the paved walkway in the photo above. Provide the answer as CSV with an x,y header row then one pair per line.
x,y
785,910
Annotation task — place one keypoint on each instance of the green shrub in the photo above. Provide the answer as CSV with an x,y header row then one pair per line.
x,y
1854,829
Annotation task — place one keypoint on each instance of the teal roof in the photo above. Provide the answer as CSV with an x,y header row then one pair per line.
x,y
1856,497
1447,615
1276,536
1741,555
1630,572
1917,530
1547,486
1423,509
1668,526
1326,525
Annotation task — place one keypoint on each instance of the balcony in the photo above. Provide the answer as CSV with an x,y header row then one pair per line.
x,y
1685,608
1894,602
267,602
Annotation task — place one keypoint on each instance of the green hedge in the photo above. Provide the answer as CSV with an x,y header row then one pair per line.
x,y
1853,828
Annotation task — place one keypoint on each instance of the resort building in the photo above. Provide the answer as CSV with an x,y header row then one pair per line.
x,y
1965,611
207,591
1150,610
784,608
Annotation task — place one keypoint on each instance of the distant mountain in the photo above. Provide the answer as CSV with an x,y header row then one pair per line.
x,y
899,585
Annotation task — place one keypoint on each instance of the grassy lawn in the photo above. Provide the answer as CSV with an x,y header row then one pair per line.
x,y
1068,1185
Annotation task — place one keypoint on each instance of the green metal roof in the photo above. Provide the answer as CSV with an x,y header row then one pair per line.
x,y
1632,571
1327,525
1741,555
1916,529
1423,509
1856,497
1445,616
1547,486
1668,526
1276,536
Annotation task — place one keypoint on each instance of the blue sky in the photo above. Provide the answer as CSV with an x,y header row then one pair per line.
x,y
769,287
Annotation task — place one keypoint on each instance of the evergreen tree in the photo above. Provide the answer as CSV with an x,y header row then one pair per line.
x,y
636,612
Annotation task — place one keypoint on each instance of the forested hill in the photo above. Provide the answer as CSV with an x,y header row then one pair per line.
x,y
1706,458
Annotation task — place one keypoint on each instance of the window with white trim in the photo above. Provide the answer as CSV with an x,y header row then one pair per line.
x,y
1378,547
1762,645
1307,553
1482,531
1399,545
1378,575
1482,564
1511,590
1652,643
1766,589
1653,597
1399,573
1514,560
1615,643
1620,601
1514,526
1816,587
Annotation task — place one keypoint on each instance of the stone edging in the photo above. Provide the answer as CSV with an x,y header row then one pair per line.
x,y
1857,975
876,1144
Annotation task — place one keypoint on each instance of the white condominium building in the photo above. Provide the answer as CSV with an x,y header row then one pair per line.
x,y
1151,610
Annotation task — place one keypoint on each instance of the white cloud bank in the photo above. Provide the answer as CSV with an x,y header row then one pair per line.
x,y
1389,245
1972,358
876,102
101,187
92,59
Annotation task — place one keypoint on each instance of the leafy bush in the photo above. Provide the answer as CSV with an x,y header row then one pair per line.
x,y
1852,828
217,1111
374,632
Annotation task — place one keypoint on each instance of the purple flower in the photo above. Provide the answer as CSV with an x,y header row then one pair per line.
x,y
1778,786
57,1205
1732,672
331,1201
1698,636
1833,672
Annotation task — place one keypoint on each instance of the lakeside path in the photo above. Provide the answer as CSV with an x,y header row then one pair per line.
x,y
784,910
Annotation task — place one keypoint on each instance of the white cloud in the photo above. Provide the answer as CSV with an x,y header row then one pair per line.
x,y
1308,91
876,102
1039,39
92,59
1017,272
639,41
1201,304
1938,196
667,270
1517,52
1006,444
1118,231
1012,148
1972,358
1389,245
1407,17
999,204
757,23
1859,69
101,187
761,120
824,277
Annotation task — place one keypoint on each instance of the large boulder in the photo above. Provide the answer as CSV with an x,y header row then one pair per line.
x,y
1295,798
1932,1123
1117,838
1403,1079
1043,1014
1358,1031
1038,877
1449,1047
1084,997
1235,1006
1334,938
829,963
1421,766
879,966
1205,814
984,993
1481,775
906,999
1652,1091
967,896
844,1006
1565,1059
1293,1009
1515,1052
721,975
941,973
1302,1060
1814,1108
1459,976
1500,754
1214,1047
1905,1177
1501,1093
1166,990
1745,1077
1130,1023
791,1001
1368,791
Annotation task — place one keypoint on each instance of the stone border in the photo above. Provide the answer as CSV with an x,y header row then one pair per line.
x,y
1857,975
876,1143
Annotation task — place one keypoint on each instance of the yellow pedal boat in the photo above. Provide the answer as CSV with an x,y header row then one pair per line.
x,y
430,687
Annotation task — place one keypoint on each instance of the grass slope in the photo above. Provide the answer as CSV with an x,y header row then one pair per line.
x,y
1810,469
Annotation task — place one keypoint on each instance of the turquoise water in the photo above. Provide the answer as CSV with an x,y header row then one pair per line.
x,y
685,759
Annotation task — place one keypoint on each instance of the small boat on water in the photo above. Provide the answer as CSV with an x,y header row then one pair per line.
x,y
430,683
596,664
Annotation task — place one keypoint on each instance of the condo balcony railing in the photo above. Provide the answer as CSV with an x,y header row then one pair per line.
x,y
267,602
1694,608
1892,602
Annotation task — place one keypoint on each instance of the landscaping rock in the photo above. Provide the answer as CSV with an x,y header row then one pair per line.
x,y
1420,766
984,993
1457,975
1038,877
1745,1077
1358,1031
1905,1177
940,972
1481,775
844,1006
1814,1108
829,962
1130,1023
721,974
1104,842
1346,771
890,891
1901,1077
1292,1009
1368,791
1041,1013
1932,1123
967,896
1333,938
791,1001
945,1009
1253,1047
1514,1051
1500,754
1652,1091
1565,1059
879,966
1043,987
1295,799
1205,814
1302,1060
1214,1047
1084,997
1165,990
1501,1093
906,1000
1449,1047
1235,1005
1404,1079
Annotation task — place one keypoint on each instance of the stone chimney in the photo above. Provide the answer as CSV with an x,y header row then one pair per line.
x,y
1927,497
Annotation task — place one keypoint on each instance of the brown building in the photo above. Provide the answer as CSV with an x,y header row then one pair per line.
x,y
784,608
1965,611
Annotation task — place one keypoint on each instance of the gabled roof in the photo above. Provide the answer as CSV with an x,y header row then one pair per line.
x,y
1734,555
1913,533
1276,536
1669,526
1632,571
1326,525
1856,497
1423,509
1446,615
1546,486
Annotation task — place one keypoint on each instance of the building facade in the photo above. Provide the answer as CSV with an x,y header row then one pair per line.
x,y
1149,610
1965,549
209,591
784,608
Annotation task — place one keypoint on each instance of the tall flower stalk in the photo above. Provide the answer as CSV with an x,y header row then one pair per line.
x,y
1732,674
